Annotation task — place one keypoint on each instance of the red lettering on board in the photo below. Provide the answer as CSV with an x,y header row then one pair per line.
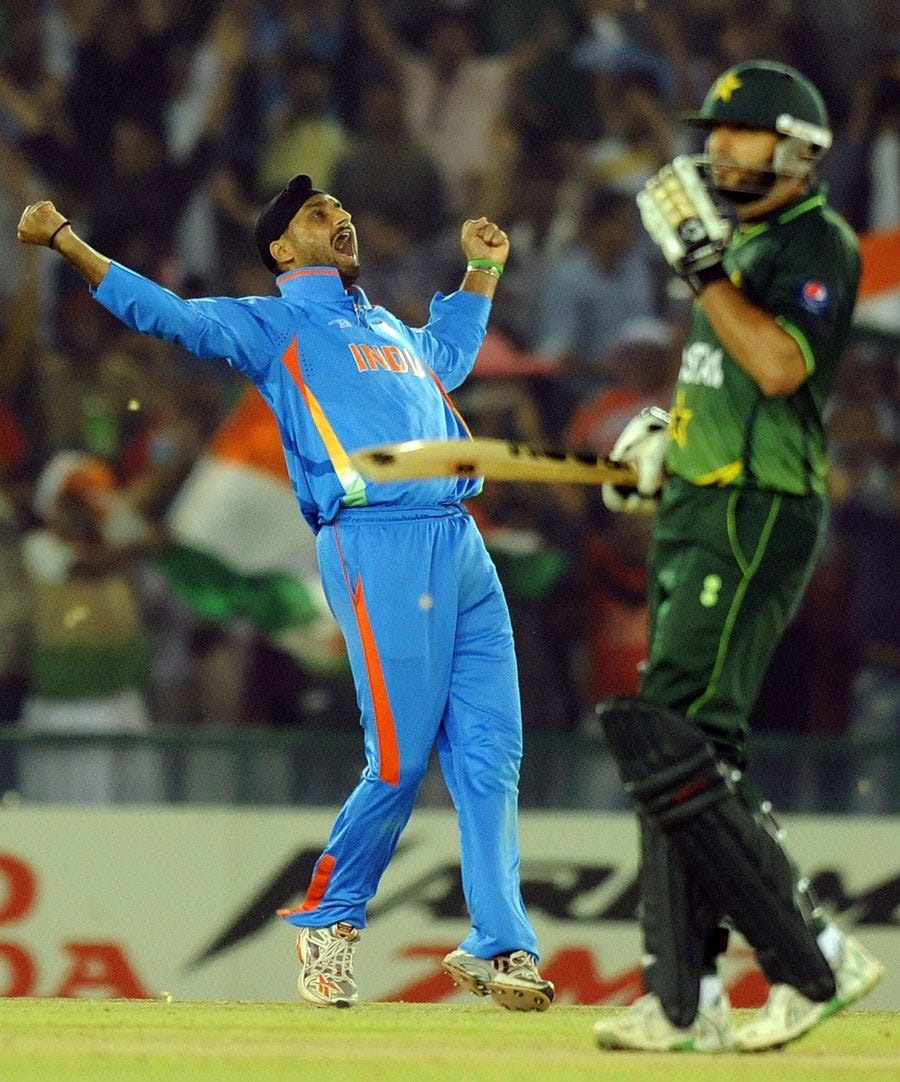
x,y
576,976
20,888
572,971
100,967
22,971
577,980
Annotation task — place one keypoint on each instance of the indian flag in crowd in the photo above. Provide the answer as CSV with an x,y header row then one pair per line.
x,y
878,306
242,548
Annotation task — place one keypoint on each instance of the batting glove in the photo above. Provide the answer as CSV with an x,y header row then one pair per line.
x,y
642,444
684,222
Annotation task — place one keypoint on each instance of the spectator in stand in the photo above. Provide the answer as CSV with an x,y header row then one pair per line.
x,y
589,291
865,489
15,614
153,160
385,168
618,38
742,35
142,195
504,24
645,356
531,190
550,96
616,609
638,136
320,29
121,70
454,94
383,173
866,165
305,128
205,75
89,663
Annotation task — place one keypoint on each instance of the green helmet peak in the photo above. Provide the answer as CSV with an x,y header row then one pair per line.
x,y
768,96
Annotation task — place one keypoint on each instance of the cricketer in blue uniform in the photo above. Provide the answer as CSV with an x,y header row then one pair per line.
x,y
404,567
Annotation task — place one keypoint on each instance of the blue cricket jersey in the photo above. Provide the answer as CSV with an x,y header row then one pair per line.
x,y
408,579
338,372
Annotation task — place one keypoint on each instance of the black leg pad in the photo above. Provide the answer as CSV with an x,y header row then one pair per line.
x,y
669,769
674,923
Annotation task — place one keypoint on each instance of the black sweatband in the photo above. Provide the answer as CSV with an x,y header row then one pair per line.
x,y
699,279
62,225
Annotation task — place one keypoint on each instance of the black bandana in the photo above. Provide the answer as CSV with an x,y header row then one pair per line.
x,y
276,215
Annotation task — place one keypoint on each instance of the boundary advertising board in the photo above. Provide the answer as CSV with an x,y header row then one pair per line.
x,y
147,902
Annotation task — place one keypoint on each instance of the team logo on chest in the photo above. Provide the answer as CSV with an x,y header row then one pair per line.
x,y
701,363
397,359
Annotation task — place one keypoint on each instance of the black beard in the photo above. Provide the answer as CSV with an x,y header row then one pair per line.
x,y
739,198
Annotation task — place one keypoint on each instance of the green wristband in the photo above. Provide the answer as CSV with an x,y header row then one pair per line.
x,y
486,265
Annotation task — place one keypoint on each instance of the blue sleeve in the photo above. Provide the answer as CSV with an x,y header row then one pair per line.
x,y
450,340
244,331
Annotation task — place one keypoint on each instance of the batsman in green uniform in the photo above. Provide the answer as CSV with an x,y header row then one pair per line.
x,y
737,469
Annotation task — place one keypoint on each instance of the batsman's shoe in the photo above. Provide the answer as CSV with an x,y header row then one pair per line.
x,y
326,965
787,1015
645,1027
512,980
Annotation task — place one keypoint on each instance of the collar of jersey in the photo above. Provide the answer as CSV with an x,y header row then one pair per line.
x,y
809,201
322,284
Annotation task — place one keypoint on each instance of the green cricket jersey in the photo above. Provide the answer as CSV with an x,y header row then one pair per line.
x,y
802,265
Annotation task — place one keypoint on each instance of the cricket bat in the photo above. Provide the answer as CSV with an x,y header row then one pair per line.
x,y
492,459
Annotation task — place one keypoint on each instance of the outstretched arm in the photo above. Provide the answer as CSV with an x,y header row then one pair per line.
x,y
41,223
208,327
378,35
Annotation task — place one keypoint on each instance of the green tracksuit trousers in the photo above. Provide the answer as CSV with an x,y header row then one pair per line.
x,y
726,570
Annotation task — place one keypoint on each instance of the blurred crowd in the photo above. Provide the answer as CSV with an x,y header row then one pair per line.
x,y
160,128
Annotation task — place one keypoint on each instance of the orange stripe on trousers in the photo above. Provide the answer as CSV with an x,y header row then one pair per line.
x,y
317,887
388,752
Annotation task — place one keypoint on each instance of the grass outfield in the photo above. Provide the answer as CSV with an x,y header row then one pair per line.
x,y
77,1040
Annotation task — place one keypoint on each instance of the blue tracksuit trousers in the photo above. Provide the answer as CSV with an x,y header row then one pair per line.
x,y
431,649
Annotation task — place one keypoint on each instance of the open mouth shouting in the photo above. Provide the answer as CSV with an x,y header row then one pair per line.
x,y
344,242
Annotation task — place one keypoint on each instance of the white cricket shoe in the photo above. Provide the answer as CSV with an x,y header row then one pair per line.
x,y
326,965
512,980
645,1027
787,1015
